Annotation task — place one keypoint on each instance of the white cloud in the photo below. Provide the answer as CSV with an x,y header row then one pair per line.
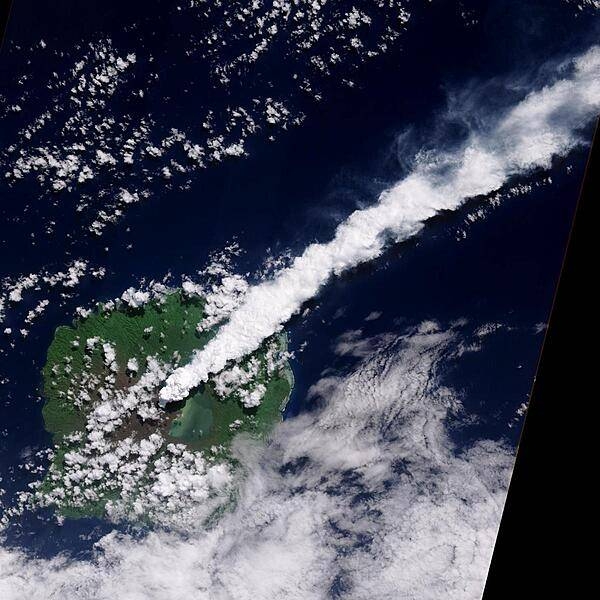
x,y
373,316
528,136
135,298
354,343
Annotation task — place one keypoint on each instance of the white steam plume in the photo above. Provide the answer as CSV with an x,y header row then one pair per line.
x,y
543,125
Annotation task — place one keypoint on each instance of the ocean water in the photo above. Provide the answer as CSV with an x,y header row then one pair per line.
x,y
294,191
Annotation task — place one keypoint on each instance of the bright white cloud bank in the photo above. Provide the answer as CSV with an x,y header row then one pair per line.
x,y
543,125
366,498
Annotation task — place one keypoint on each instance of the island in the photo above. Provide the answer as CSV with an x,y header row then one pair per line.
x,y
117,453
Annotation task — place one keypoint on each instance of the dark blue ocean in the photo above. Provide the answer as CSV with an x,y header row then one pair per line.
x,y
294,191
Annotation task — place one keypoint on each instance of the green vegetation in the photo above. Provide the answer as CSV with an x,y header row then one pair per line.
x,y
154,330
109,351
205,419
